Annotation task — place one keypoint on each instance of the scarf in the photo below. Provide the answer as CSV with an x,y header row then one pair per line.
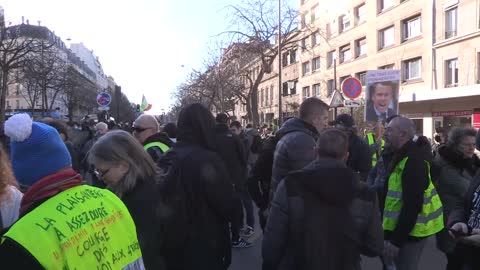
x,y
48,187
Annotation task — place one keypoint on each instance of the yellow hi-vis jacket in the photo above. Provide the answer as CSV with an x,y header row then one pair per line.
x,y
371,141
80,228
429,220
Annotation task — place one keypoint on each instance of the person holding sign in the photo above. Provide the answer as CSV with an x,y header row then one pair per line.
x,y
129,171
379,106
63,224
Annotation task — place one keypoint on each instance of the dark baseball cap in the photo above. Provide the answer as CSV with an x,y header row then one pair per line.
x,y
344,120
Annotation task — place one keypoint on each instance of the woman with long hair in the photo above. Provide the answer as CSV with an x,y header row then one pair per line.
x,y
127,170
10,196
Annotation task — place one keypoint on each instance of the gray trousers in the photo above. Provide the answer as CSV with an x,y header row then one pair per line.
x,y
410,254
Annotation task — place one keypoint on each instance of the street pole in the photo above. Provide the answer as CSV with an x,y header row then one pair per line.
x,y
335,83
280,113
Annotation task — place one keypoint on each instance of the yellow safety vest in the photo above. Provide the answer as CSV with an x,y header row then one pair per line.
x,y
429,220
80,228
160,145
371,141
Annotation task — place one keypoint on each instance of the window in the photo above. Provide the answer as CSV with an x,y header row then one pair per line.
x,y
330,57
361,13
451,22
306,92
315,63
316,90
451,72
343,79
412,28
390,66
344,22
266,96
285,89
362,76
17,91
293,90
361,47
315,39
412,69
345,53
385,4
304,20
387,37
330,87
8,104
293,56
305,68
285,59
271,95
304,43
261,97
17,104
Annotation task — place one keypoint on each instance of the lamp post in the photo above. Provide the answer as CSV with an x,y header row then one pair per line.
x,y
335,81
280,113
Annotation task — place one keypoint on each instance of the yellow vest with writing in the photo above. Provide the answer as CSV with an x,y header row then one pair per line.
x,y
80,228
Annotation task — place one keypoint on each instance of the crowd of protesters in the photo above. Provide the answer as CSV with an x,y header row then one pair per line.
x,y
182,195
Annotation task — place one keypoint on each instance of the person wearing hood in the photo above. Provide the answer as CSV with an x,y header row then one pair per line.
x,y
146,131
200,181
322,216
458,165
63,224
295,149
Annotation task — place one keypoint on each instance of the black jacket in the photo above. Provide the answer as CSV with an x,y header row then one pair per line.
x,y
294,150
371,115
312,216
231,150
260,175
143,203
414,183
155,152
212,204
360,158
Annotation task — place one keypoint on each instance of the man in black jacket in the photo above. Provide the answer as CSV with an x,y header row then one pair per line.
x,y
406,250
232,151
359,159
295,149
146,131
322,217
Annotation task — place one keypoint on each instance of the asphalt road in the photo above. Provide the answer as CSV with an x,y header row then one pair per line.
x,y
251,258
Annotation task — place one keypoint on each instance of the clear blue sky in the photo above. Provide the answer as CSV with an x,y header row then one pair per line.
x,y
142,44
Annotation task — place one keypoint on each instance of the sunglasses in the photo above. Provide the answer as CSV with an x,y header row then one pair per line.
x,y
139,130
100,174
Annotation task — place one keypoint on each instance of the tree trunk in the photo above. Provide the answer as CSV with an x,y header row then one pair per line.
x,y
3,96
254,99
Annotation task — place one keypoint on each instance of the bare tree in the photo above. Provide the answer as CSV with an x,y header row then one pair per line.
x,y
256,28
15,45
78,93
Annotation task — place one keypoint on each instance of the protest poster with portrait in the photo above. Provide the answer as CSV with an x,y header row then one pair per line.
x,y
381,94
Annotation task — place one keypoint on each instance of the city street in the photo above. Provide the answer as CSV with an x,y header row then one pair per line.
x,y
251,258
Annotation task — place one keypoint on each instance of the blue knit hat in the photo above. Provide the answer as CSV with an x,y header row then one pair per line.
x,y
36,149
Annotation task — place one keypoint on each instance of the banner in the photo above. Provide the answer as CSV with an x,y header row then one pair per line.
x,y
381,94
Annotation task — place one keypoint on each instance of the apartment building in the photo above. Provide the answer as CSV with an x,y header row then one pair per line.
x,y
435,45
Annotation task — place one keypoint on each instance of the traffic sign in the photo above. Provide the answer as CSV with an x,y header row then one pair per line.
x,y
352,103
104,99
352,88
103,108
336,100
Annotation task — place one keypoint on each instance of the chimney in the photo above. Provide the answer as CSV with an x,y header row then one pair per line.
x,y
23,20
28,22
39,22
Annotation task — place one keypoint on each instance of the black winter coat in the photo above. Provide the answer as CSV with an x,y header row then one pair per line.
x,y
295,150
231,150
143,203
155,152
212,205
360,158
312,216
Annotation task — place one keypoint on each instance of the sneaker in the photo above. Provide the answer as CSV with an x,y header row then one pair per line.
x,y
247,232
241,243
